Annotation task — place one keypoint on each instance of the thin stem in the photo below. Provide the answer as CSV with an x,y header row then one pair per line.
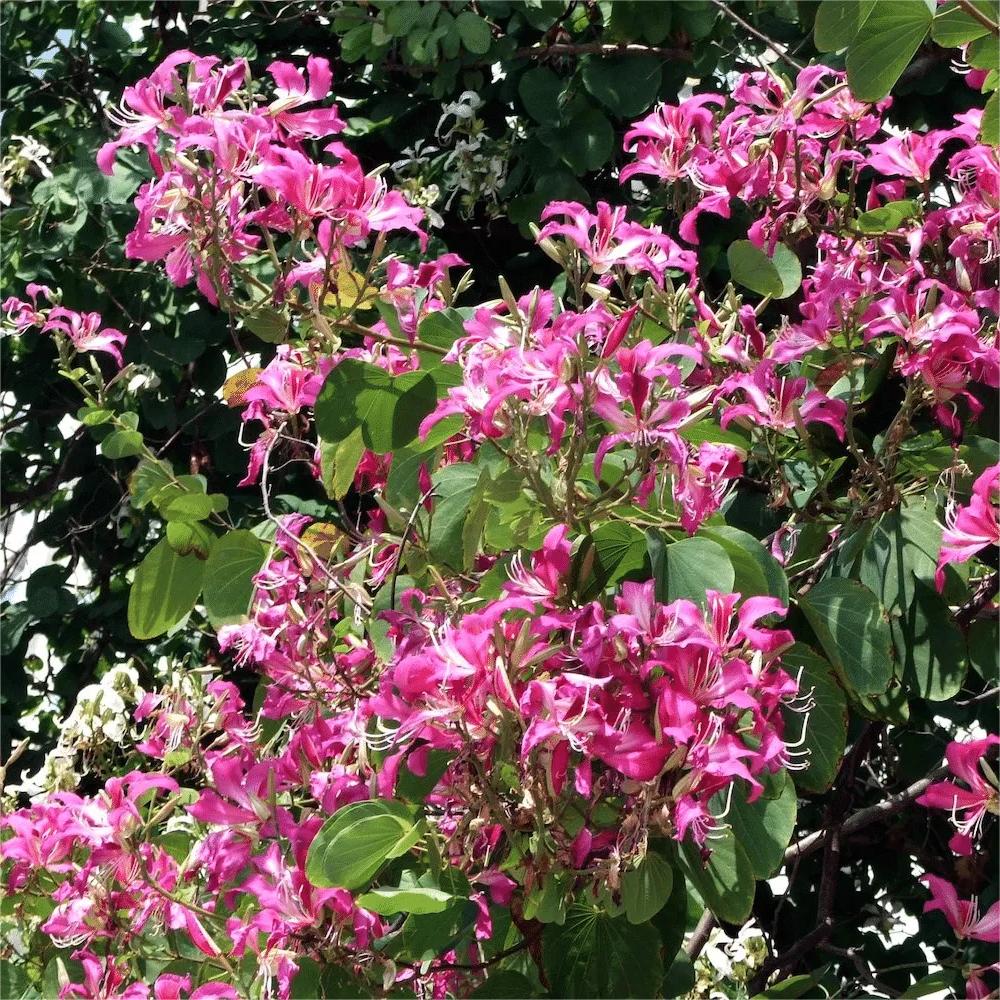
x,y
759,35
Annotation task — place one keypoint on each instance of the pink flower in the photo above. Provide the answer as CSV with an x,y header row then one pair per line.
x,y
780,403
292,92
911,155
968,806
85,332
962,914
606,240
972,527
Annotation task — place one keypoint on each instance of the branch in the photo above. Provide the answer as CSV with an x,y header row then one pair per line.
x,y
700,936
984,593
759,35
865,817
814,841
977,15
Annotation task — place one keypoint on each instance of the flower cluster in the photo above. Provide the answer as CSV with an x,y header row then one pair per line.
x,y
232,173
82,331
969,806
546,721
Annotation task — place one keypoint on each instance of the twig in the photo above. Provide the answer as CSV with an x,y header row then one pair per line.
x,y
865,817
700,936
984,593
990,695
977,15
769,42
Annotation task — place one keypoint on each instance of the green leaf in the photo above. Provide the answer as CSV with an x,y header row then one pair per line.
x,y
441,328
188,507
400,900
848,621
402,489
884,47
825,723
588,141
164,590
757,571
646,889
990,132
619,549
983,640
626,85
838,23
900,551
794,986
235,559
122,444
357,840
475,32
778,276
539,90
953,26
594,955
338,462
930,646
725,882
150,482
944,981
671,921
454,486
887,218
387,408
268,325
690,567
764,827
190,537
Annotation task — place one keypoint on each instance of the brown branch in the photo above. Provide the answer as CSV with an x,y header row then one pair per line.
x,y
977,15
700,936
865,817
984,593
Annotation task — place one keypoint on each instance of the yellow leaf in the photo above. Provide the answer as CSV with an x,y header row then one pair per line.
x,y
351,290
235,387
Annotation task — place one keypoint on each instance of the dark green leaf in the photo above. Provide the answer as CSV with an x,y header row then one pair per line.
x,y
764,827
691,567
725,882
757,571
626,85
646,889
474,31
839,21
454,487
539,90
387,408
778,276
619,549
594,955
825,723
849,623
